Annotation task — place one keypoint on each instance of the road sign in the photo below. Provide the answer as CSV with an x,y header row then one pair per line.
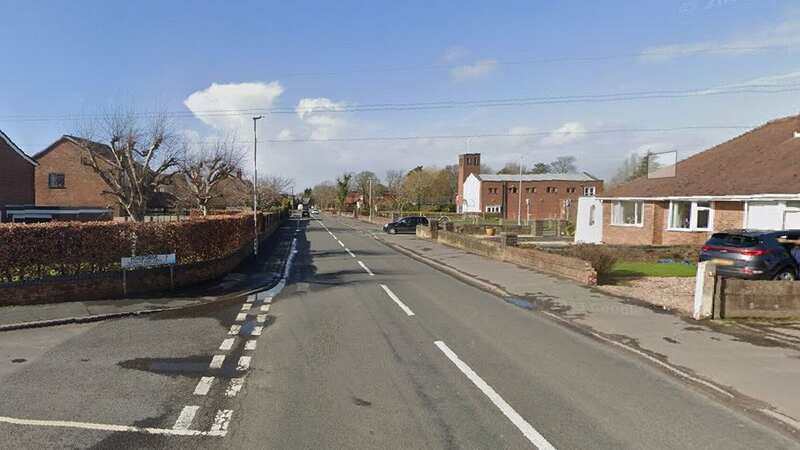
x,y
145,261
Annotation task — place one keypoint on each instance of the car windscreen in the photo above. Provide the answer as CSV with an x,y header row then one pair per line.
x,y
733,240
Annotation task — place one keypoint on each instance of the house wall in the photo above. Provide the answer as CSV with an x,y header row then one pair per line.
x,y
727,215
471,195
543,205
16,177
83,187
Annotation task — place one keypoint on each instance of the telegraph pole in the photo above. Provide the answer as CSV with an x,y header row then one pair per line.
x,y
519,195
370,200
255,186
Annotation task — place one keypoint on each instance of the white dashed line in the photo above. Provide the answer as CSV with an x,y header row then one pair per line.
x,y
227,344
216,362
256,331
261,318
221,421
244,363
351,253
234,330
241,317
402,305
341,243
251,298
250,345
111,427
203,386
265,308
246,307
185,419
234,387
366,268
533,436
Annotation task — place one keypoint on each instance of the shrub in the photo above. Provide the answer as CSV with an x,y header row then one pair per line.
x,y
600,257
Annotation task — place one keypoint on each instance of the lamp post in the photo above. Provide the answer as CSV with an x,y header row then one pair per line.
x,y
519,195
528,214
255,186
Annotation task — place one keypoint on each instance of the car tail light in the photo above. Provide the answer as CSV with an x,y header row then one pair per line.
x,y
740,251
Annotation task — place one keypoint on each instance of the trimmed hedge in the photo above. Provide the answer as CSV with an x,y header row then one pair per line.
x,y
36,251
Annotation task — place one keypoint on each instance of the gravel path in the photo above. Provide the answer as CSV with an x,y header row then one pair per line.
x,y
673,293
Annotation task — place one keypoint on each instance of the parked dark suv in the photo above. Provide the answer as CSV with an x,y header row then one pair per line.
x,y
753,255
405,225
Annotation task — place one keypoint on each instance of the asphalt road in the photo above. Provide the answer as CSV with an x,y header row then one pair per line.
x,y
363,348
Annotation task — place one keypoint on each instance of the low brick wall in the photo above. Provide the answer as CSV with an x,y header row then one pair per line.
x,y
108,285
572,268
758,299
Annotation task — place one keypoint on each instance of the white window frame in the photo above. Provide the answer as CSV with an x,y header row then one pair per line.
x,y
494,209
616,214
589,191
692,216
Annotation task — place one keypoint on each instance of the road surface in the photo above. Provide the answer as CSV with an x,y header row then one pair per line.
x,y
362,348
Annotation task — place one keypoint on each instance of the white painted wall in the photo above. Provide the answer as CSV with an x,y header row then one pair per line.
x,y
472,194
589,226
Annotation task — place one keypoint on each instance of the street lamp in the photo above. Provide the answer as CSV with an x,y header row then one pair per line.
x,y
255,186
519,195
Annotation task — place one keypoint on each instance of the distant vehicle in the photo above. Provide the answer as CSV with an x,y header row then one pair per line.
x,y
314,210
753,254
305,213
405,225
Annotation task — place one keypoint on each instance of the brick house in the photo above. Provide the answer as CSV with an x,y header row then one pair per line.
x,y
16,175
751,181
62,179
542,196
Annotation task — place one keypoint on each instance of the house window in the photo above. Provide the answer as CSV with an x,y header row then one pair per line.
x,y
513,189
570,190
589,191
493,209
592,212
55,181
690,216
551,189
627,213
493,190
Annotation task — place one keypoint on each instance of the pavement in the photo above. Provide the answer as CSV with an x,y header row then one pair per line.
x,y
357,346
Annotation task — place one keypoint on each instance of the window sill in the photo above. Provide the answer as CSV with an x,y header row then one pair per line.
x,y
690,230
628,225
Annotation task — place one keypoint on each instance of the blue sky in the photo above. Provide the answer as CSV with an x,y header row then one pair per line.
x,y
66,58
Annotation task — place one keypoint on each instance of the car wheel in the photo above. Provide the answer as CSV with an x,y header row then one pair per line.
x,y
786,275
392,231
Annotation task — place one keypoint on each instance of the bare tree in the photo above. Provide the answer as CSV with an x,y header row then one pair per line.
x,y
343,188
133,157
271,190
205,165
563,164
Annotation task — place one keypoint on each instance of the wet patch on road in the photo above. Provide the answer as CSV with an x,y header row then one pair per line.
x,y
361,402
18,360
670,340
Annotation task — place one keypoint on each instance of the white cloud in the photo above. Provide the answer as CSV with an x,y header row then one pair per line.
x,y
321,117
209,104
285,135
454,55
567,133
784,34
478,70
760,83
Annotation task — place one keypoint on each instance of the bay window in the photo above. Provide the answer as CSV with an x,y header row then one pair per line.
x,y
690,216
627,213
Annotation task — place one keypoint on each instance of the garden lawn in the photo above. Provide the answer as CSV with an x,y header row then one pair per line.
x,y
651,269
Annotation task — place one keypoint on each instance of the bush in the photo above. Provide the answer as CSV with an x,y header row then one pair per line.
x,y
600,257
44,250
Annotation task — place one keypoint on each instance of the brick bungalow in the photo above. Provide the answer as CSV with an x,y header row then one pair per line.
x,y
752,181
16,176
543,196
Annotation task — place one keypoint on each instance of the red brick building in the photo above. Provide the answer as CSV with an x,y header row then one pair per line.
x,y
752,181
541,196
16,175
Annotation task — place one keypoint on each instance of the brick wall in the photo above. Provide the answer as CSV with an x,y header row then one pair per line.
x,y
82,186
16,177
758,299
543,205
727,215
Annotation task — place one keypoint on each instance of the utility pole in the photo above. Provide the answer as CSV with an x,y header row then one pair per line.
x,y
519,195
255,186
370,200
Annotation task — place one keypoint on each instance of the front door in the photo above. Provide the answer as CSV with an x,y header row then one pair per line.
x,y
589,222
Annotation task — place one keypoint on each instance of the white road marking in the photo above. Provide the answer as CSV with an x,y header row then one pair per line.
x,y
216,362
261,318
185,418
250,345
244,363
234,387
256,331
241,317
533,436
246,307
366,268
234,330
265,308
112,428
221,421
340,243
203,386
351,253
227,344
402,305
251,298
